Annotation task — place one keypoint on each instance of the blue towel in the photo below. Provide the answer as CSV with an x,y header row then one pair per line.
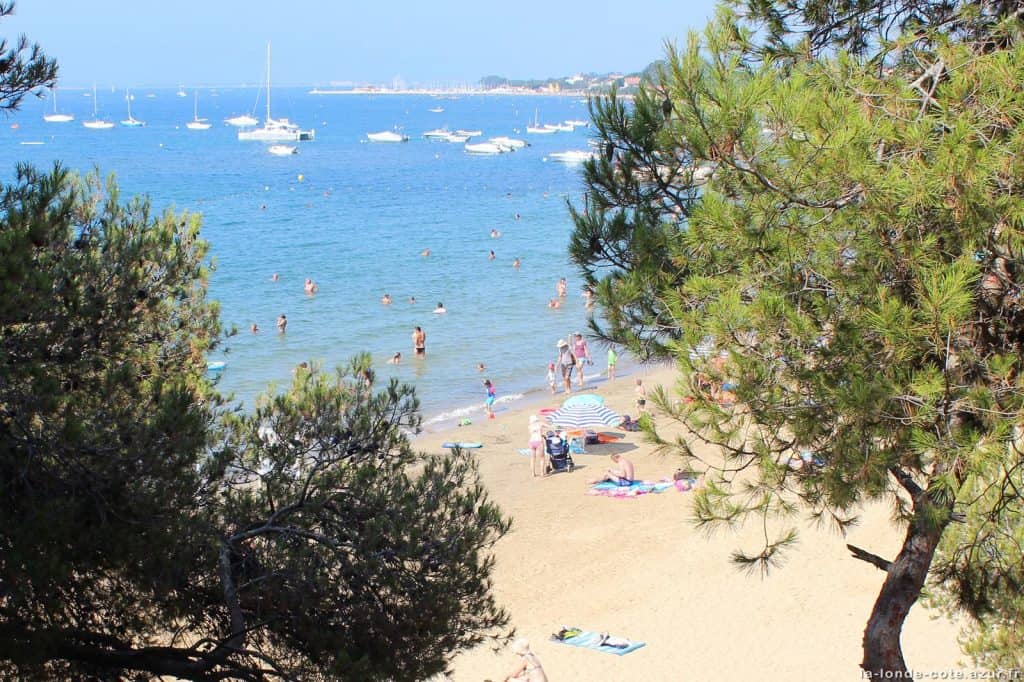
x,y
524,451
591,640
635,486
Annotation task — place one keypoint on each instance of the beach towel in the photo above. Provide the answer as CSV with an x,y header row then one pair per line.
x,y
524,451
598,641
634,489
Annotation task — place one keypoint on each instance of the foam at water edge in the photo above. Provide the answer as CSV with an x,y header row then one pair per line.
x,y
458,412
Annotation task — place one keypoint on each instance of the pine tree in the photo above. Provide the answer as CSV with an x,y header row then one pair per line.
x,y
837,234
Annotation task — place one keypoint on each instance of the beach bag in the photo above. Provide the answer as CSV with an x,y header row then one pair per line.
x,y
576,446
591,437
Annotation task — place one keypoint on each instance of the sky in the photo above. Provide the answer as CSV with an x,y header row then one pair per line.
x,y
127,43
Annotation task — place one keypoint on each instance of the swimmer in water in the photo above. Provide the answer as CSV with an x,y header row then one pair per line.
x,y
554,303
425,252
254,328
491,255
480,367
385,299
440,309
396,359
494,233
516,264
311,287
274,278
282,323
561,287
412,300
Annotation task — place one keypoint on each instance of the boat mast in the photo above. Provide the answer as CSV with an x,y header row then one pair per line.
x,y
268,83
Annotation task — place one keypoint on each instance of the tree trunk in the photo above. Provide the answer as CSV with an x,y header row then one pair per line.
x,y
883,655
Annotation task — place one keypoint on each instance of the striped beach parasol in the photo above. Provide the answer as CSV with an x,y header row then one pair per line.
x,y
580,416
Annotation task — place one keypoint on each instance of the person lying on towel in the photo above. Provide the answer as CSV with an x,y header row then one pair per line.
x,y
620,474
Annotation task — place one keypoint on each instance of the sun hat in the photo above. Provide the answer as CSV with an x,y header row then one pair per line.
x,y
521,646
561,342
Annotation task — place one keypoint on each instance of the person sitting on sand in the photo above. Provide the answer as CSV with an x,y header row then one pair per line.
x,y
385,299
620,474
528,669
440,309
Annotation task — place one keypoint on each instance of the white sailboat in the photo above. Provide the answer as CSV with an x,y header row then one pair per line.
x,y
197,123
131,121
242,121
96,123
275,130
181,91
56,117
537,129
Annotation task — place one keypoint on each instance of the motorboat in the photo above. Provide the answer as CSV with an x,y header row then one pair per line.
x,y
469,133
456,138
275,129
131,121
510,142
197,123
56,117
437,134
96,123
243,121
484,148
561,127
572,157
577,123
436,110
387,136
282,150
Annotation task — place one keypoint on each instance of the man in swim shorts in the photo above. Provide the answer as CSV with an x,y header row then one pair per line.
x,y
419,342
621,474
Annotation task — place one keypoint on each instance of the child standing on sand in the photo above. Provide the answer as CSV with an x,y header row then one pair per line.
x,y
612,359
551,377
489,405
641,396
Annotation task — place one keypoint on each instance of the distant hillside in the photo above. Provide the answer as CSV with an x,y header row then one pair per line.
x,y
580,82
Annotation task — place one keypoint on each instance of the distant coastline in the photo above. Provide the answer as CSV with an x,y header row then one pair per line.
x,y
451,92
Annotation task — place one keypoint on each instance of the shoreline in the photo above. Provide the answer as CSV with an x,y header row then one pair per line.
x,y
638,568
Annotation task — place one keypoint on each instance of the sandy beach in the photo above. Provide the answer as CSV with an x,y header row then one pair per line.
x,y
638,569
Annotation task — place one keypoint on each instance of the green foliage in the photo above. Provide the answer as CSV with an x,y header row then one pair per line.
x,y
146,529
23,68
843,243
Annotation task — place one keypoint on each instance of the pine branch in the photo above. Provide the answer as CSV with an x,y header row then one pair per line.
x,y
873,559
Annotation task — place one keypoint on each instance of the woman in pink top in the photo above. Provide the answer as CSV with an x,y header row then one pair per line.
x,y
582,353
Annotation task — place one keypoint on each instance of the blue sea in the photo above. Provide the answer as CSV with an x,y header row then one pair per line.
x,y
355,216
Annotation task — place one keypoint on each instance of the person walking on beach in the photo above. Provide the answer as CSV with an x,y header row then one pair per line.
x,y
612,359
537,456
566,363
419,342
489,404
528,669
282,323
582,353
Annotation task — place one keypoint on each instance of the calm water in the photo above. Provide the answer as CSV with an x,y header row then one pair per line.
x,y
355,216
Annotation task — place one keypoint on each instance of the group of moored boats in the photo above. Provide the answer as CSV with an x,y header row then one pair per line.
x,y
277,130
494,145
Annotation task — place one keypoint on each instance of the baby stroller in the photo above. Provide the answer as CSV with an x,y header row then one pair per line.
x,y
558,452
